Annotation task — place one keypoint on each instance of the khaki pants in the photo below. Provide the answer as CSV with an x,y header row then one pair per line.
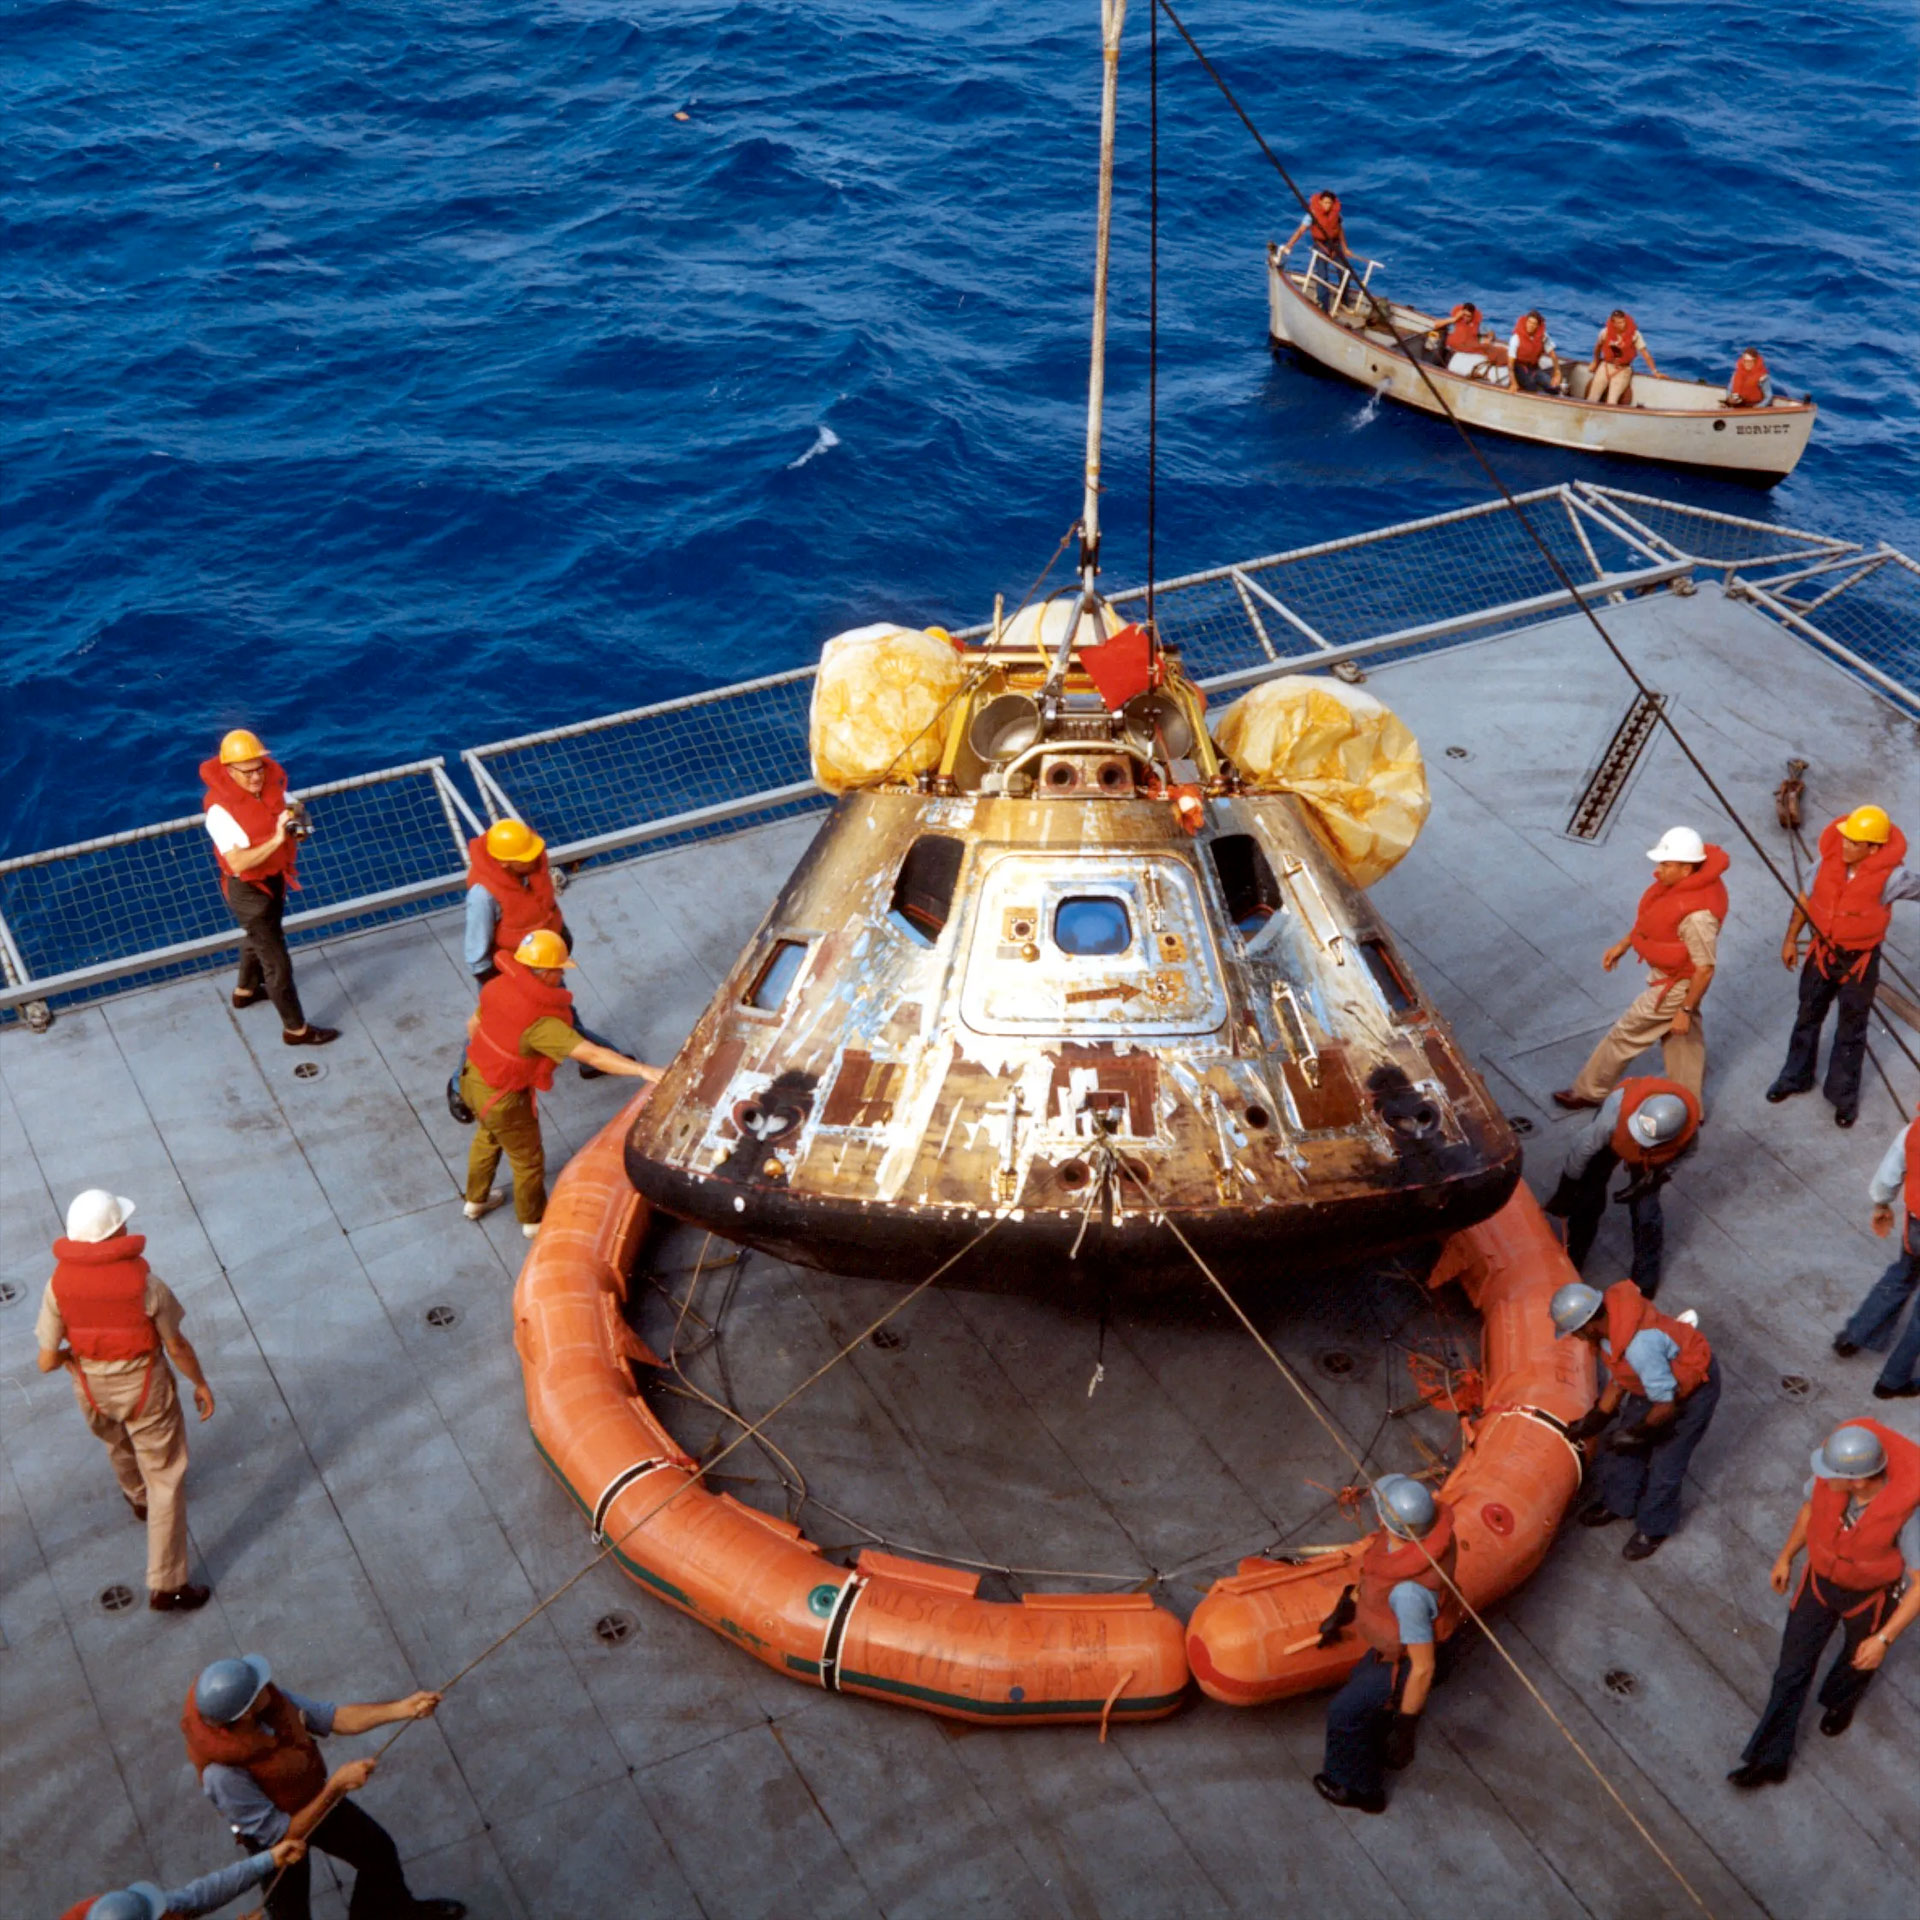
x,y
1644,1024
1610,386
508,1124
149,1454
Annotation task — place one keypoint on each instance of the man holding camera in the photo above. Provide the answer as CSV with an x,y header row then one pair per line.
x,y
256,832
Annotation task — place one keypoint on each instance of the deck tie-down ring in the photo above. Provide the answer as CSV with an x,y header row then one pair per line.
x,y
615,1487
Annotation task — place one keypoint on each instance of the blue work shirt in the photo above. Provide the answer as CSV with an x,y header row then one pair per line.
x,y
237,1795
213,1890
1650,1353
1415,1609
483,915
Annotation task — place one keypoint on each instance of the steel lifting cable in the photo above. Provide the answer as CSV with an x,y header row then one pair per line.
x,y
1340,1440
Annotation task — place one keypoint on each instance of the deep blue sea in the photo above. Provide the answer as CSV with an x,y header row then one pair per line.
x,y
395,378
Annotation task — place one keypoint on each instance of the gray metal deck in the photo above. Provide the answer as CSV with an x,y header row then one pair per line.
x,y
370,1511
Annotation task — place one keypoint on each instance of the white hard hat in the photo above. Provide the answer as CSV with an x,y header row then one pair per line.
x,y
97,1214
1679,843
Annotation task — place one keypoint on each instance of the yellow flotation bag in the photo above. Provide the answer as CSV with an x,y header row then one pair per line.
x,y
1348,757
879,705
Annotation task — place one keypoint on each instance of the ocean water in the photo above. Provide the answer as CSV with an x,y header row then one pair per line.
x,y
391,379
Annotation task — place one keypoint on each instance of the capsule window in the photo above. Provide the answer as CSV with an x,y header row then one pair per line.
x,y
1092,924
923,888
1253,895
774,981
1395,988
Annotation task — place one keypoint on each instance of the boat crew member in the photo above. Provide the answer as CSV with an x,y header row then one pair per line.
x,y
113,1324
1644,1124
522,1027
1471,349
1751,385
1860,1526
253,1745
1848,908
256,833
510,894
1610,371
144,1901
1329,241
1531,356
1895,1193
1676,932
1403,1606
1663,1382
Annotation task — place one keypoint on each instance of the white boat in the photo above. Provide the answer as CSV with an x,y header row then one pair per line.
x,y
1679,423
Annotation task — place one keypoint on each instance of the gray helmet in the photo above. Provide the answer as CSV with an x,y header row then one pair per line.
x,y
1851,1453
228,1688
141,1901
1657,1119
1572,1307
1404,1505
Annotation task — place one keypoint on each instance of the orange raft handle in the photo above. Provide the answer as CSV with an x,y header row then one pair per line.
x,y
888,1627
1254,1637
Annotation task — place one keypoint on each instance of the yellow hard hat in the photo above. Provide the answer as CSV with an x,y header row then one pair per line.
x,y
1869,824
241,745
514,840
542,948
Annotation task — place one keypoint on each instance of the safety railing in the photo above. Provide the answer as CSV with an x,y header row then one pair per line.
x,y
141,906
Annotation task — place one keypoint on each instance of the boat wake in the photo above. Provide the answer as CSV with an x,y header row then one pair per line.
x,y
827,440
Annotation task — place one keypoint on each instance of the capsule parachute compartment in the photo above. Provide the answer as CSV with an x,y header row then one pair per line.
x,y
877,705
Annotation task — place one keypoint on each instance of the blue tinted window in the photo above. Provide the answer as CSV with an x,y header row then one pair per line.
x,y
776,978
1092,923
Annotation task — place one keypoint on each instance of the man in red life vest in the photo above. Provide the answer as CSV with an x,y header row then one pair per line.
x,y
112,1324
1610,371
1676,931
1531,356
1849,907
522,1027
252,1744
1751,384
1329,241
210,1892
1663,1382
1403,1606
256,833
1645,1125
1860,1526
1895,1185
510,894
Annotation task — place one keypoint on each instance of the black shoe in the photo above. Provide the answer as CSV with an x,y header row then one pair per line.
x,y
248,996
1911,1391
1753,1774
1836,1720
1776,1093
1844,1347
1336,1796
1845,1116
1643,1546
179,1599
1599,1516
311,1036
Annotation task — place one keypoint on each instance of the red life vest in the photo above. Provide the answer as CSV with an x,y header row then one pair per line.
x,y
80,1908
1745,384
526,900
509,1004
1329,232
282,1757
100,1287
1656,926
1617,339
1844,905
1464,335
1632,1093
257,816
1629,1312
1867,1554
1911,1195
1533,343
1388,1561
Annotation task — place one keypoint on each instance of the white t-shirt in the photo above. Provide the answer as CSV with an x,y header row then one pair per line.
x,y
227,832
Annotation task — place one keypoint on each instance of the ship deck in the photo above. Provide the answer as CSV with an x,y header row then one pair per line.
x,y
371,1513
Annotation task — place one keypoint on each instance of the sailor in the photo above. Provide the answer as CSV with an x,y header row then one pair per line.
x,y
1848,907
1895,1185
1676,931
1329,241
253,1746
1531,356
1403,1606
256,833
1610,371
1645,1124
1751,385
510,894
1663,1382
1860,1526
112,1323
523,1025
144,1901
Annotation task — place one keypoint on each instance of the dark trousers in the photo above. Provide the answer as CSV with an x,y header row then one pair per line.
x,y
1645,1487
264,959
1358,1717
1878,1315
1534,379
1817,1610
1828,974
379,1887
1587,1201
